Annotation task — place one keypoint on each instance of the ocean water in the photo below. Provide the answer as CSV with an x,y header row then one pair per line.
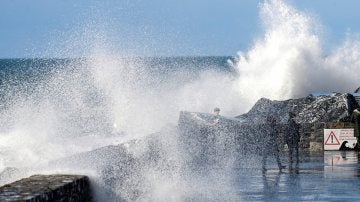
x,y
55,109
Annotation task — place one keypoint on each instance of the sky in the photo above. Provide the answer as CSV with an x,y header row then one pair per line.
x,y
67,28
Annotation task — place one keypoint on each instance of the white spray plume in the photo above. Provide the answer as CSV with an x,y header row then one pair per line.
x,y
289,61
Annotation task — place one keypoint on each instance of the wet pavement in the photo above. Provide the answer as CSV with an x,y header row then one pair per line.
x,y
332,176
329,176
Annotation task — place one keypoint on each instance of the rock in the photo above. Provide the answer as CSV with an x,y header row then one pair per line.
x,y
316,146
312,113
48,188
308,110
245,131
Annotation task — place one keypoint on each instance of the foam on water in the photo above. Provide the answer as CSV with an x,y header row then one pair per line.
x,y
76,107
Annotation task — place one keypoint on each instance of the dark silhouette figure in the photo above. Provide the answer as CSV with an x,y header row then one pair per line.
x,y
355,118
270,146
292,139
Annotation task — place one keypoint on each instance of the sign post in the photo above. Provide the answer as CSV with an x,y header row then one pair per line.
x,y
339,139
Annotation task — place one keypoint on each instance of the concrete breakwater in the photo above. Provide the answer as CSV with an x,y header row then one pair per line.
x,y
48,188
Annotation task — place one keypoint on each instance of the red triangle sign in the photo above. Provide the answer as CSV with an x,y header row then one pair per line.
x,y
332,139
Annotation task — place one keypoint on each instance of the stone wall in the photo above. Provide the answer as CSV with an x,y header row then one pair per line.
x,y
48,188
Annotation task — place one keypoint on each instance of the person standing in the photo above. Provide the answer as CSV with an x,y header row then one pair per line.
x,y
292,139
216,118
355,118
270,146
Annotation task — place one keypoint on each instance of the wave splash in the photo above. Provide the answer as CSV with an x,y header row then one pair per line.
x,y
57,118
289,59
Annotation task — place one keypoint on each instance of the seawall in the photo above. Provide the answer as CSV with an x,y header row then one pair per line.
x,y
41,188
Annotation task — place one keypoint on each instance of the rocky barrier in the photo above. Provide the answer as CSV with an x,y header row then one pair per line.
x,y
245,132
48,188
247,137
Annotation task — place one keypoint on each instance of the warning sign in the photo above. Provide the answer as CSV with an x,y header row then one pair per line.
x,y
332,139
336,139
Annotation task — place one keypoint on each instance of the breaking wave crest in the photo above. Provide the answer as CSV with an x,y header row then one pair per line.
x,y
289,59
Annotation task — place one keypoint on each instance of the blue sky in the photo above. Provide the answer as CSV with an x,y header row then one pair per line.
x,y
67,28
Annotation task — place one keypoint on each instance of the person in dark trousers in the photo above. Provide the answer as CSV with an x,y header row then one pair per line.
x,y
270,146
292,139
355,118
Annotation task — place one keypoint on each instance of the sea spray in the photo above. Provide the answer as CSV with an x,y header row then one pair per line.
x,y
144,98
47,119
73,110
289,61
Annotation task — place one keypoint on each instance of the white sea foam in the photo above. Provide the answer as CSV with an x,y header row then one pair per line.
x,y
288,60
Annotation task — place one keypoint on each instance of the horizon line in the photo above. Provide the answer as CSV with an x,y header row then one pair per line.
x,y
123,57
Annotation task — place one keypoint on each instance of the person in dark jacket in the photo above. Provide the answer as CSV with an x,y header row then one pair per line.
x,y
292,139
270,146
355,118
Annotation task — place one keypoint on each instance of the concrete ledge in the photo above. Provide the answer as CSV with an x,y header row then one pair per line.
x,y
48,188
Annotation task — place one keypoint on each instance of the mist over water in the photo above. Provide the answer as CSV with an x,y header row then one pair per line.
x,y
79,105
